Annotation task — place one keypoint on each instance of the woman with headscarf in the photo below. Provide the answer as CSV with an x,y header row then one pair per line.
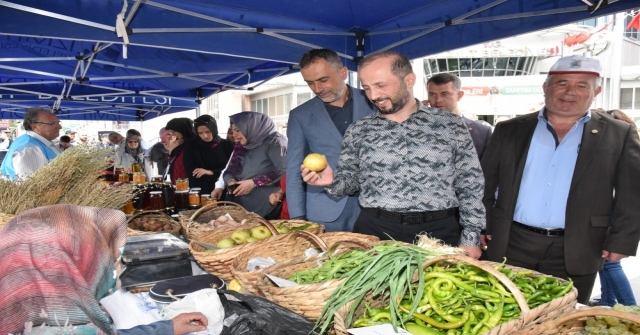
x,y
257,163
132,153
207,155
57,262
181,130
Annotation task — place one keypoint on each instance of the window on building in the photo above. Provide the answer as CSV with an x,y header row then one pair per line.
x,y
630,98
626,98
302,98
481,67
277,105
631,32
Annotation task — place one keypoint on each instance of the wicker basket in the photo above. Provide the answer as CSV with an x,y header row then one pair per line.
x,y
316,229
548,311
574,322
306,300
287,250
219,262
157,215
510,327
194,221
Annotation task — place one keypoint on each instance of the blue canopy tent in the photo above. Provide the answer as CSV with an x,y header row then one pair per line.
x,y
138,59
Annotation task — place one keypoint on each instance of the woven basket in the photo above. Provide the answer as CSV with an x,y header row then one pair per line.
x,y
287,250
548,311
157,215
317,229
510,327
574,322
194,222
219,262
306,300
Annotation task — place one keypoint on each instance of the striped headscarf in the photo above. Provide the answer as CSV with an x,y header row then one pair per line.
x,y
57,262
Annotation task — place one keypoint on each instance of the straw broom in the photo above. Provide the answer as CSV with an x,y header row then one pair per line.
x,y
70,178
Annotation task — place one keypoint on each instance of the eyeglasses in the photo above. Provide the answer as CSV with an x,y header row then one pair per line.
x,y
132,142
48,123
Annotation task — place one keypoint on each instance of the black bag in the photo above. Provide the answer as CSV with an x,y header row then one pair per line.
x,y
258,316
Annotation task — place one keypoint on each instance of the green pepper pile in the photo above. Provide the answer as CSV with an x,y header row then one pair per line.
x,y
335,266
461,299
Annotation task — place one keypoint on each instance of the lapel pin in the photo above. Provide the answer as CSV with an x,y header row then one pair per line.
x,y
595,131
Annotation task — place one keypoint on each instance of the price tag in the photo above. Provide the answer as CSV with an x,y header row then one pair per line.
x,y
281,282
385,329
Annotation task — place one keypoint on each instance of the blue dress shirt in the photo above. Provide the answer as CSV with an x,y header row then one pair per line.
x,y
547,175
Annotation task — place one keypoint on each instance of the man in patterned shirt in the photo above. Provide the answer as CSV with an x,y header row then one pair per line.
x,y
413,165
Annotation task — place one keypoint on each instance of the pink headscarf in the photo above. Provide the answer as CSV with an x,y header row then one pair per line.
x,y
59,260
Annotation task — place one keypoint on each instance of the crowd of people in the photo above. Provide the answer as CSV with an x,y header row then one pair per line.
x,y
552,191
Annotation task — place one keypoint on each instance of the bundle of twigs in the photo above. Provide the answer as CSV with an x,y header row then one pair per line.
x,y
71,178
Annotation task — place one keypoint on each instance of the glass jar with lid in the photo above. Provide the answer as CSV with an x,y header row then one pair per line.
x,y
156,201
182,184
139,178
206,199
181,200
194,199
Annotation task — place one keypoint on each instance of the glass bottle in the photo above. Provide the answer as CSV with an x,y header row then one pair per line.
x,y
135,167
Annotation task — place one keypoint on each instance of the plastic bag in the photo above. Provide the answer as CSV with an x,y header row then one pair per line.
x,y
258,316
206,301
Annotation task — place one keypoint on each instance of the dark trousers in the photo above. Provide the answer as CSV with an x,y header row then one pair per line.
x,y
545,254
444,229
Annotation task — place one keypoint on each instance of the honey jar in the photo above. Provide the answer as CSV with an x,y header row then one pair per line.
x,y
139,178
181,200
194,199
156,201
182,184
206,199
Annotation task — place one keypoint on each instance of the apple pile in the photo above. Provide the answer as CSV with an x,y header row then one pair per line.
x,y
242,236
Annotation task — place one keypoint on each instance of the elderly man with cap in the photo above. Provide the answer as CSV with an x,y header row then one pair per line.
x,y
34,149
72,135
567,181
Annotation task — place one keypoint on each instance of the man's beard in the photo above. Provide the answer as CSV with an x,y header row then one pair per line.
x,y
398,102
335,96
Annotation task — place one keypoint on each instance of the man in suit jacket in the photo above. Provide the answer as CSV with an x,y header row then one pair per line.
x,y
444,92
560,174
318,126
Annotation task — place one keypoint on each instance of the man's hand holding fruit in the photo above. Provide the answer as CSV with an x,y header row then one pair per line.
x,y
316,171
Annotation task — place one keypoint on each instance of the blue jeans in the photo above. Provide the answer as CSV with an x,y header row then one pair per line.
x,y
615,286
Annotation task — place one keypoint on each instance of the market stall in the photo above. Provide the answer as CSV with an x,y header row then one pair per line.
x,y
185,252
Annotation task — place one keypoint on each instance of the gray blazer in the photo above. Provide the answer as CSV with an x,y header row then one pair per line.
x,y
310,129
